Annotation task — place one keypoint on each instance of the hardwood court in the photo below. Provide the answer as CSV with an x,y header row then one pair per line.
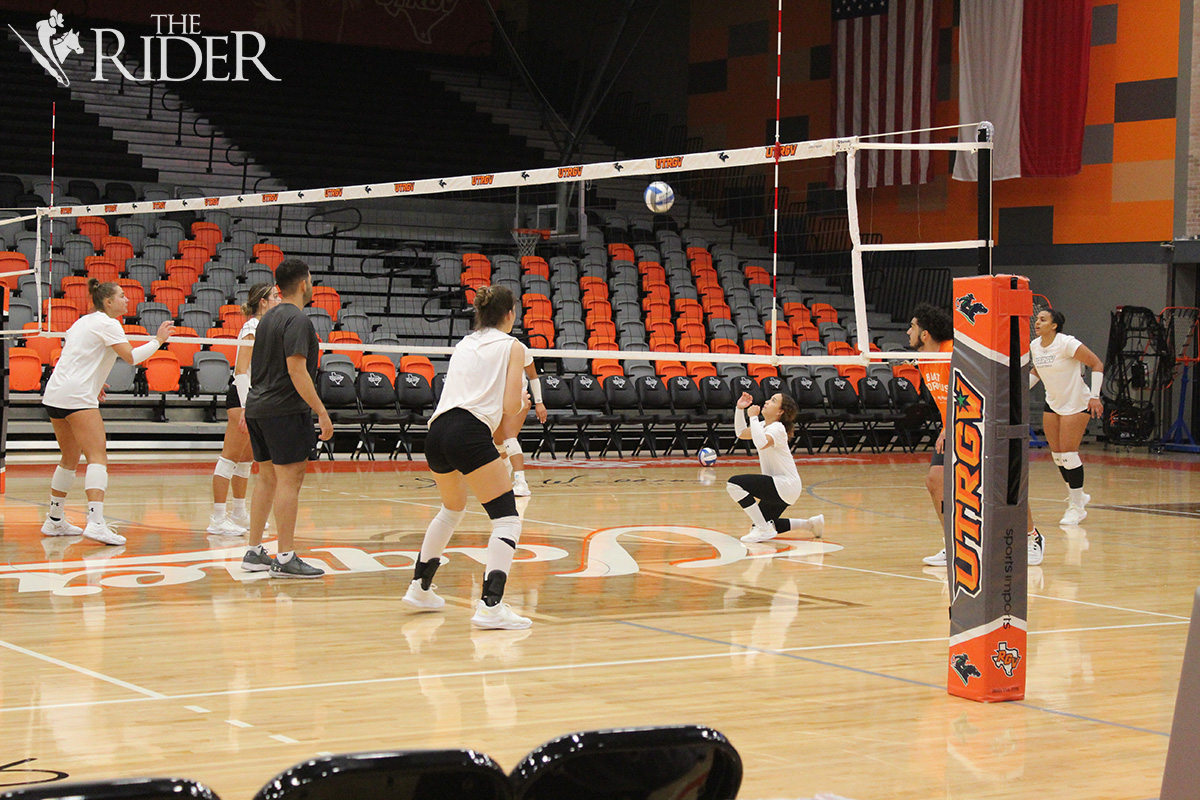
x,y
823,662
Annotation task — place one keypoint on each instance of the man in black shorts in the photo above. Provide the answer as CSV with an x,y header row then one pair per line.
x,y
279,408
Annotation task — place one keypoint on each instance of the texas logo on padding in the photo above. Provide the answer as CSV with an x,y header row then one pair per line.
x,y
1006,658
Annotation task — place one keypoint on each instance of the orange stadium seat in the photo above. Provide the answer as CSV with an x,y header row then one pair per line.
x,y
102,269
380,364
163,372
24,370
227,350
419,365
268,254
347,337
327,298
169,294
184,351
96,229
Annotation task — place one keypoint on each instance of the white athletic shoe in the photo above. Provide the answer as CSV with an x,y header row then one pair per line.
x,y
521,487
498,617
1037,548
60,527
936,561
243,521
424,599
818,523
1075,514
103,534
224,526
760,534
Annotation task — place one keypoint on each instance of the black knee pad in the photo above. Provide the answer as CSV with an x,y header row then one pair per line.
x,y
493,587
503,506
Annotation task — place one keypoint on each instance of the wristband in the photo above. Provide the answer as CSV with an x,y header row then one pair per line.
x,y
535,389
1097,384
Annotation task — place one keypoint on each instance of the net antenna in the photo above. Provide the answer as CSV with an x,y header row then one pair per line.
x,y
1182,326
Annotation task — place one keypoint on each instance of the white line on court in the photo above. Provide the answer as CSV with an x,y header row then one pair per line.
x,y
237,723
279,737
198,709
91,673
725,653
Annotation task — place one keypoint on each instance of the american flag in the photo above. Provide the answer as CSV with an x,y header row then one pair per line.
x,y
884,77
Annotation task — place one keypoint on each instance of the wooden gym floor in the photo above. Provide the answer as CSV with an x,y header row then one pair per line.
x,y
823,662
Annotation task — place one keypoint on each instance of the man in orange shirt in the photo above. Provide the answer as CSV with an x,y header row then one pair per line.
x,y
932,331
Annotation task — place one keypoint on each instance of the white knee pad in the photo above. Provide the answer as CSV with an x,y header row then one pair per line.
x,y
225,468
448,517
1071,461
63,480
96,477
1057,458
512,447
242,470
736,492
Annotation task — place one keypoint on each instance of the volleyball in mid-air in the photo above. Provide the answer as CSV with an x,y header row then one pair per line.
x,y
707,456
659,197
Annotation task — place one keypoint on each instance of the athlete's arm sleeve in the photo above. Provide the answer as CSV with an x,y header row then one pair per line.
x,y
759,434
739,421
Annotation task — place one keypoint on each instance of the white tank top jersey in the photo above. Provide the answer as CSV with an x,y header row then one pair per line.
x,y
776,462
475,377
1061,373
248,329
87,358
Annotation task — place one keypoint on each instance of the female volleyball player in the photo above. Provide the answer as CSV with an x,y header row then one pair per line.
x,y
765,497
1057,361
483,384
233,465
510,427
72,398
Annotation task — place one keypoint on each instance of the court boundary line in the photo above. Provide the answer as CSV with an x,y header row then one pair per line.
x,y
896,678
150,695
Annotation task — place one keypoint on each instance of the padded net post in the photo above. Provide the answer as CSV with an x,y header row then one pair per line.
x,y
987,488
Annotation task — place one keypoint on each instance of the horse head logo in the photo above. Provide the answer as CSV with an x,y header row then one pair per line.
x,y
54,45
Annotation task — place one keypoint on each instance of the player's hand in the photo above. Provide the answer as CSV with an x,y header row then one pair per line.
x,y
940,447
540,410
745,400
242,425
326,426
1096,407
753,411
165,331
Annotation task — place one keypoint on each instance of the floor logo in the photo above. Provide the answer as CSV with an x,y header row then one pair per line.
x,y
54,45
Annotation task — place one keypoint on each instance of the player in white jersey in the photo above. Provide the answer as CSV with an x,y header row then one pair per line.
x,y
1058,361
765,497
506,435
483,385
72,398
236,459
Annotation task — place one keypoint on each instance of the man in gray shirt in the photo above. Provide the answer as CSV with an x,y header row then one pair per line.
x,y
279,408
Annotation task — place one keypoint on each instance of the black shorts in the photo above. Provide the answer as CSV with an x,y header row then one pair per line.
x,y
60,413
232,399
937,459
762,488
283,440
459,440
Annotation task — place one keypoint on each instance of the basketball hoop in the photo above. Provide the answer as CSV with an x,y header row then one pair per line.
x,y
527,239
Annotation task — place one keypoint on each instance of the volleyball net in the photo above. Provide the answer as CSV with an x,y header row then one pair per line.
x,y
736,277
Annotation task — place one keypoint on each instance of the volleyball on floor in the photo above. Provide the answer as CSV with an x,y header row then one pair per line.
x,y
659,197
707,456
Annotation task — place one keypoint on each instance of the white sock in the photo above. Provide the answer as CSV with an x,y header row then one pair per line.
x,y
1076,497
56,507
502,545
96,512
237,507
438,534
261,549
756,515
284,558
218,511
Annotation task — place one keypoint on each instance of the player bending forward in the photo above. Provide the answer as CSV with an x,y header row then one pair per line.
x,y
765,497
